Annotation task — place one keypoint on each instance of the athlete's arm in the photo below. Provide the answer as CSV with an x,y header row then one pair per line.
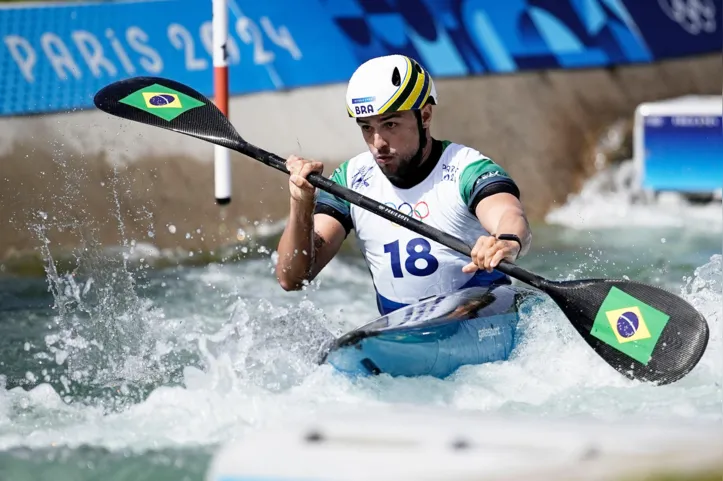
x,y
502,213
493,197
309,240
307,245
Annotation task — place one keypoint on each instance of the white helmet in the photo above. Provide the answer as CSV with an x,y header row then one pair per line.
x,y
391,83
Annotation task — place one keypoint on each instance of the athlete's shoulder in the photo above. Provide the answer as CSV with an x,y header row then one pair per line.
x,y
475,171
329,204
462,155
350,169
358,171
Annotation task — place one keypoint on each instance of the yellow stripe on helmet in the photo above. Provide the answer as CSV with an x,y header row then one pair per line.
x,y
427,92
399,91
415,93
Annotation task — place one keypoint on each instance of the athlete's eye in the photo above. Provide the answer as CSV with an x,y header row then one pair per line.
x,y
366,128
390,125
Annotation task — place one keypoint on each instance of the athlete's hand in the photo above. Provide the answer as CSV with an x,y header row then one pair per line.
x,y
489,251
300,188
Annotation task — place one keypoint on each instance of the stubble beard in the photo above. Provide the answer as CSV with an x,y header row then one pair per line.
x,y
400,171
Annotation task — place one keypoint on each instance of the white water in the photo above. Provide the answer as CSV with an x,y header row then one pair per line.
x,y
257,345
609,199
251,381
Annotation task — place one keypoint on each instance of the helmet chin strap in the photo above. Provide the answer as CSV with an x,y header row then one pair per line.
x,y
417,159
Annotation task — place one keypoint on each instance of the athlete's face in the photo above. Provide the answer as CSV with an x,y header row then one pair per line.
x,y
393,139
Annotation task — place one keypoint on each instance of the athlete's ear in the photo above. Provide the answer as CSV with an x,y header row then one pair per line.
x,y
426,115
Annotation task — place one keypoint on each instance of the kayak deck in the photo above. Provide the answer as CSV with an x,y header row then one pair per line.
x,y
434,337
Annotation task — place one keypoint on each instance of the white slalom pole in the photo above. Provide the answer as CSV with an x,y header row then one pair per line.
x,y
221,155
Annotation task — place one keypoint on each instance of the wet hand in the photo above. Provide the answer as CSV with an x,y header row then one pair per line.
x,y
489,251
300,188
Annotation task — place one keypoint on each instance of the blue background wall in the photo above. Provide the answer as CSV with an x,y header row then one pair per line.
x,y
55,57
683,153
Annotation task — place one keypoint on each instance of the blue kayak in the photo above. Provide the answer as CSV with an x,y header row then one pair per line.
x,y
434,337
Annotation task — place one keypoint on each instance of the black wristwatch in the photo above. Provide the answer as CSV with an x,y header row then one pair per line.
x,y
511,237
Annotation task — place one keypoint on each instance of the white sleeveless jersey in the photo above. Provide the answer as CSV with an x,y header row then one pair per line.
x,y
404,265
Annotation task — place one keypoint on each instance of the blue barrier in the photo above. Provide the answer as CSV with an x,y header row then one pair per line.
x,y
678,145
54,57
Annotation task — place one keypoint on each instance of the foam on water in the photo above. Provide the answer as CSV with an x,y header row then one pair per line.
x,y
610,199
198,356
253,364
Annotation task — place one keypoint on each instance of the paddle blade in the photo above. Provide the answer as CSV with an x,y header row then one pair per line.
x,y
170,105
644,332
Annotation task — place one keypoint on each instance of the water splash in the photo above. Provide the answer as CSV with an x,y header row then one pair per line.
x,y
269,346
102,333
253,367
203,355
703,290
610,198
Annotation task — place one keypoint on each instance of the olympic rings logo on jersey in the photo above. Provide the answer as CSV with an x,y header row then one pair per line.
x,y
419,211
695,16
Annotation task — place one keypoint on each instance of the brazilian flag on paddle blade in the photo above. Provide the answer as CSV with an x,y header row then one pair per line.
x,y
644,332
163,102
629,325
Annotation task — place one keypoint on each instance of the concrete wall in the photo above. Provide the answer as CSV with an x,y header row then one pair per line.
x,y
86,170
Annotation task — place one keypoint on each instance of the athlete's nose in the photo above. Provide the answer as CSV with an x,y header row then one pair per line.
x,y
380,144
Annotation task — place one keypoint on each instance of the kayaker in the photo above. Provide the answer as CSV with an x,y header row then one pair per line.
x,y
447,185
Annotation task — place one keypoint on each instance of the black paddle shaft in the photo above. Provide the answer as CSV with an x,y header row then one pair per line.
x,y
208,123
673,338
681,345
389,213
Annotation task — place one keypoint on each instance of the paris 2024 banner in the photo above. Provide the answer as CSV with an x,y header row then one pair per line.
x,y
54,57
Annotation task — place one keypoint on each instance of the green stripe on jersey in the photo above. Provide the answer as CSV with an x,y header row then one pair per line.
x,y
339,177
470,174
339,174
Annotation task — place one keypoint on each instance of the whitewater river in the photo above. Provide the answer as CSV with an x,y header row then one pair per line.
x,y
138,374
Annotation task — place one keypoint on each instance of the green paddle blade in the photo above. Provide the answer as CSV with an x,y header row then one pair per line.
x,y
164,103
644,332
